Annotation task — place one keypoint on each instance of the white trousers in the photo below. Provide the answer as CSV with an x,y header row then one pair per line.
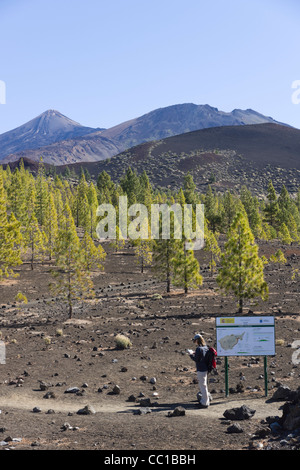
x,y
202,380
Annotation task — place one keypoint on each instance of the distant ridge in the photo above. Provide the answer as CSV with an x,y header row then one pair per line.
x,y
60,141
179,119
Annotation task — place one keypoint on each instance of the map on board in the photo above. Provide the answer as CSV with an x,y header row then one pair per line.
x,y
243,336
228,341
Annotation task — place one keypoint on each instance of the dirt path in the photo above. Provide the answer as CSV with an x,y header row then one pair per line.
x,y
24,401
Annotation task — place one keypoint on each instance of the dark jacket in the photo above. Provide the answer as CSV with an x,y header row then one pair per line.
x,y
198,357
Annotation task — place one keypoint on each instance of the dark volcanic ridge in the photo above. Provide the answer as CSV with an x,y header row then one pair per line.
x,y
226,157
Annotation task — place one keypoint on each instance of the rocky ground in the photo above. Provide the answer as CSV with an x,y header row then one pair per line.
x,y
65,385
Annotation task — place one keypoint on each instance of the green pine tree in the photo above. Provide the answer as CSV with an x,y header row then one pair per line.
x,y
271,208
211,246
51,225
163,253
284,235
70,279
186,267
34,239
242,270
41,194
92,256
10,238
143,252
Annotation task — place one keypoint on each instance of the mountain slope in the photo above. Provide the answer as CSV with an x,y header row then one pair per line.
x,y
179,119
89,148
60,140
228,156
47,128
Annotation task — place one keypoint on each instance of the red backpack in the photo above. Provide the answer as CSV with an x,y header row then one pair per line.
x,y
210,359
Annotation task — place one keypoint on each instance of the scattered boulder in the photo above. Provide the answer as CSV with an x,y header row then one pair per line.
x,y
283,392
291,416
36,409
116,390
131,398
49,395
178,411
72,390
235,429
44,386
87,410
142,411
145,402
238,414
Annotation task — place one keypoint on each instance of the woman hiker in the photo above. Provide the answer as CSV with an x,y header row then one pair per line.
x,y
198,356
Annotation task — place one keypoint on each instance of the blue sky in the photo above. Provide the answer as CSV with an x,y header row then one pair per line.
x,y
104,62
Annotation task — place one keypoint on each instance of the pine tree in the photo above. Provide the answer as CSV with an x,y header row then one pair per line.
x,y
93,205
51,225
251,206
211,246
212,209
30,199
272,208
92,256
41,194
85,215
80,207
293,229
146,194
105,187
17,196
189,190
10,238
284,234
143,252
71,281
241,269
163,253
130,184
119,241
278,257
229,208
34,239
186,268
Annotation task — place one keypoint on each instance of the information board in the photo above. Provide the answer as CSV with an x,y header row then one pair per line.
x,y
245,336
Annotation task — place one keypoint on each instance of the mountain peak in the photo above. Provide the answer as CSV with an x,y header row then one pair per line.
x,y
49,127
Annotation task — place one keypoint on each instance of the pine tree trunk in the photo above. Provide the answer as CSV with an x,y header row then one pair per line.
x,y
32,255
69,295
240,278
168,283
185,273
168,269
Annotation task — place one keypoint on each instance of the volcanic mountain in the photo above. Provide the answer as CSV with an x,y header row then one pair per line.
x,y
47,128
60,140
179,119
226,157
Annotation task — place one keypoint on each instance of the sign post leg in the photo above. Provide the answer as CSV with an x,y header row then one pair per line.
x,y
226,376
266,376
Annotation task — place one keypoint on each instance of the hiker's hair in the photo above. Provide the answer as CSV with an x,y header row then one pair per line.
x,y
201,341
